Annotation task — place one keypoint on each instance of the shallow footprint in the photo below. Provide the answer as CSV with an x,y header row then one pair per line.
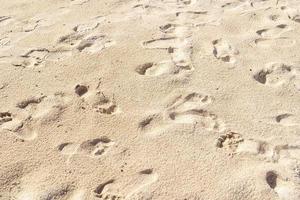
x,y
192,100
32,58
94,44
224,51
273,32
92,148
285,189
157,69
207,120
276,74
133,187
275,42
161,43
152,125
287,119
21,128
104,105
5,117
229,140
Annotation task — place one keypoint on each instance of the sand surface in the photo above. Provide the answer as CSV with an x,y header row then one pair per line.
x,y
150,100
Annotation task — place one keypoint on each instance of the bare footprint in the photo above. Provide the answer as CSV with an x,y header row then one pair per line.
x,y
274,31
292,13
190,14
31,100
189,109
161,43
5,117
134,187
206,119
153,125
192,100
183,109
224,51
79,2
104,105
60,192
287,119
276,74
33,112
17,127
229,140
4,20
285,189
94,43
168,28
86,27
72,39
274,42
31,58
157,69
93,148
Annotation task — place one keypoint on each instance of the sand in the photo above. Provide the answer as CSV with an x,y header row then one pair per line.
x,y
150,99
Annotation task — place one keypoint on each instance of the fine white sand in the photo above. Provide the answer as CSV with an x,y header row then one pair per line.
x,y
150,100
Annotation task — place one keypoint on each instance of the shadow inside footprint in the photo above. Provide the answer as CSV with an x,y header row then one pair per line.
x,y
271,179
5,117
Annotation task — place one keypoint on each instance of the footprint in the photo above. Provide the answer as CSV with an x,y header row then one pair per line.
x,y
275,42
207,120
287,119
32,58
231,5
274,17
168,28
285,189
5,117
58,54
153,125
229,140
190,14
81,28
81,89
79,2
61,192
273,32
133,187
11,177
18,127
72,39
276,74
186,2
99,191
4,20
94,44
5,41
183,109
292,13
93,148
89,25
157,69
161,43
224,51
192,100
31,100
284,154
35,111
104,105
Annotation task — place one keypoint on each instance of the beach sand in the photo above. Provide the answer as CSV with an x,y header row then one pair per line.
x,y
150,100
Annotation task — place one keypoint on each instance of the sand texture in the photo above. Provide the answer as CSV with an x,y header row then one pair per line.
x,y
150,100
